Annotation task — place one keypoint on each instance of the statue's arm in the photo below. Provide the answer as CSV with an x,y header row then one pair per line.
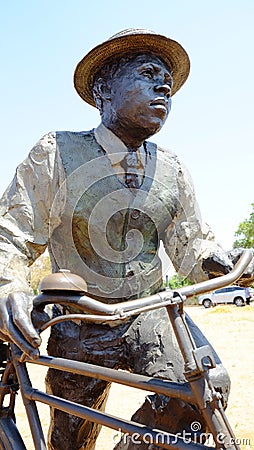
x,y
188,241
24,233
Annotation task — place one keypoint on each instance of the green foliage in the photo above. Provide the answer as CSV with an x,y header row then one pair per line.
x,y
245,232
176,282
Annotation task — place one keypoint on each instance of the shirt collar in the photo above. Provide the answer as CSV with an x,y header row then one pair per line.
x,y
114,147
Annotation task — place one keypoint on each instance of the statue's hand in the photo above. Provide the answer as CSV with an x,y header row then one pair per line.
x,y
248,276
16,324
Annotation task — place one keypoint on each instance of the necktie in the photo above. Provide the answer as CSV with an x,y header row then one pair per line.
x,y
129,164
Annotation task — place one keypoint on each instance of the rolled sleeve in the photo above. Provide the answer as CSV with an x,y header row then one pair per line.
x,y
24,215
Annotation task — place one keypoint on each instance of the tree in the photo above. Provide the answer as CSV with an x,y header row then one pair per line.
x,y
245,232
176,282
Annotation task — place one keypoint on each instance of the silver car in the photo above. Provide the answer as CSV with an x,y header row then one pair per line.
x,y
230,294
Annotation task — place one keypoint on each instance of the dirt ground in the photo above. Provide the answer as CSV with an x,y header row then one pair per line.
x,y
231,331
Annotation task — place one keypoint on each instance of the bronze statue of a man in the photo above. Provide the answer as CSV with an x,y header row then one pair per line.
x,y
101,201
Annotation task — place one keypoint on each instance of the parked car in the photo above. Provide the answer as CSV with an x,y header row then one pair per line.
x,y
230,294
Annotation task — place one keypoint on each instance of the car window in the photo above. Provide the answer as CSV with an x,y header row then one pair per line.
x,y
221,291
229,289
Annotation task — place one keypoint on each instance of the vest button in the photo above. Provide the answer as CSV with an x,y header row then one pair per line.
x,y
130,273
135,214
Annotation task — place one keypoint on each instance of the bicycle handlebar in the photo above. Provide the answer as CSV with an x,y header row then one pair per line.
x,y
220,282
97,311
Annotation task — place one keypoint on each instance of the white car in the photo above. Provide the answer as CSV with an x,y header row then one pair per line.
x,y
230,294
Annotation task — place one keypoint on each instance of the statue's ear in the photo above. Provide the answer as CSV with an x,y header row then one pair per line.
x,y
103,89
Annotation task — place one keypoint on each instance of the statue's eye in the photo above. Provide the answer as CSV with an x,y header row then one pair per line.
x,y
147,73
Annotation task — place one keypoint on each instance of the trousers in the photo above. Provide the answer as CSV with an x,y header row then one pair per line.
x,y
145,345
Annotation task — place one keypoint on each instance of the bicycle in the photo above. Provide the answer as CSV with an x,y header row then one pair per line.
x,y
67,289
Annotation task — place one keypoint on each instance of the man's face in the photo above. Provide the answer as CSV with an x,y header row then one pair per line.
x,y
140,95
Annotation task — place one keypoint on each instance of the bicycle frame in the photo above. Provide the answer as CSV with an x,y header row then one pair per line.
x,y
197,390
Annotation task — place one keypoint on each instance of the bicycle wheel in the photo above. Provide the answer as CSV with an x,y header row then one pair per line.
x,y
10,438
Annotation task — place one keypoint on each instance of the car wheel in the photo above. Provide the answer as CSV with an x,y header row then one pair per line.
x,y
207,303
238,301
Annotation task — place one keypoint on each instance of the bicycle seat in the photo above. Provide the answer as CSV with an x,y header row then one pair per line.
x,y
63,280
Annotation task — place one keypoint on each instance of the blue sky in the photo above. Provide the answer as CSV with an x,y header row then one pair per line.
x,y
210,126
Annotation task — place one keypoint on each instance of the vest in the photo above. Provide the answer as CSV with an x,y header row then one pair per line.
x,y
109,234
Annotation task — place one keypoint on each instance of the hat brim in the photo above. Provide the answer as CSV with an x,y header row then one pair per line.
x,y
172,53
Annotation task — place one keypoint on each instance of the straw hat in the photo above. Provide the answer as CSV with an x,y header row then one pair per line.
x,y
127,42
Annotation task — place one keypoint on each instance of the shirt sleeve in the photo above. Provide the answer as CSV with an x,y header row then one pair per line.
x,y
24,215
189,242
